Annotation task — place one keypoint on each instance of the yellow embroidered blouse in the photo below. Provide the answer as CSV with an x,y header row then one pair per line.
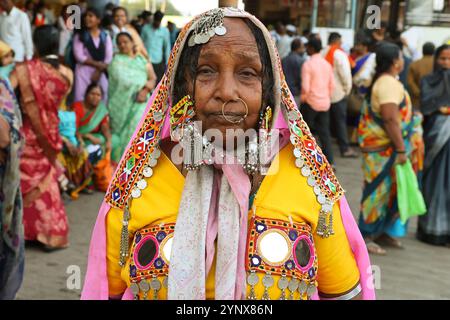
x,y
284,194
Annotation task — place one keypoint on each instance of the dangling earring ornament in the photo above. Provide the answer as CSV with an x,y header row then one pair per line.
x,y
185,131
265,137
180,114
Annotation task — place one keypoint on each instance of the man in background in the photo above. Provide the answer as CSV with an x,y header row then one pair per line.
x,y
157,42
342,71
292,66
317,88
15,30
419,69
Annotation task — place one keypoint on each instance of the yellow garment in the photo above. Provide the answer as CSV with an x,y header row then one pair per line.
x,y
283,194
386,90
4,49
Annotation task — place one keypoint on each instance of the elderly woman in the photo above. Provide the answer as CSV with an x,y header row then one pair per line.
x,y
185,218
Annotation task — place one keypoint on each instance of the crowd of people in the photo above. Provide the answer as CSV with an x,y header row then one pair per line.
x,y
71,100
376,97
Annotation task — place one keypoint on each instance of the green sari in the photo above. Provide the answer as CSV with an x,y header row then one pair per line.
x,y
127,76
90,123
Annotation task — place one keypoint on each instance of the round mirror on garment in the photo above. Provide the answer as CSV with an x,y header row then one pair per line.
x,y
166,248
302,252
274,247
146,252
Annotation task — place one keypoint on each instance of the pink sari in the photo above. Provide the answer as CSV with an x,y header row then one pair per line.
x,y
42,90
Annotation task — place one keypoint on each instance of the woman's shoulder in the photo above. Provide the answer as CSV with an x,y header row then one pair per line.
x,y
388,83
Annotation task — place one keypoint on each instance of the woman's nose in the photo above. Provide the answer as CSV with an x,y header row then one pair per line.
x,y
227,87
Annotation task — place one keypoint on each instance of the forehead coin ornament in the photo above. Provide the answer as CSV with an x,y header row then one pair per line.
x,y
209,25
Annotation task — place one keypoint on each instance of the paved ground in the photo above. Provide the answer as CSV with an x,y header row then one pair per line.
x,y
418,272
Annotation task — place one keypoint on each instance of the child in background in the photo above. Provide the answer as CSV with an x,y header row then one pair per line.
x,y
6,61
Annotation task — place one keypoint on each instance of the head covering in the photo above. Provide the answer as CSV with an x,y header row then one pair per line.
x,y
4,49
291,28
155,126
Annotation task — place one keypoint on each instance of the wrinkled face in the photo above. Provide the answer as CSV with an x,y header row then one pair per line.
x,y
125,45
229,69
444,59
94,97
91,20
120,18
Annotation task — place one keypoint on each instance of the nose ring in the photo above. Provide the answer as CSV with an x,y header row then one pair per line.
x,y
238,121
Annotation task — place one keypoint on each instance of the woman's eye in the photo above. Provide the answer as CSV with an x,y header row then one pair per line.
x,y
205,71
249,73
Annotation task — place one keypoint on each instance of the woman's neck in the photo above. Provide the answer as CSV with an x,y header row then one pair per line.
x,y
88,106
94,31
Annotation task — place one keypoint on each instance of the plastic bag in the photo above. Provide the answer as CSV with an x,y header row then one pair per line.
x,y
103,173
409,197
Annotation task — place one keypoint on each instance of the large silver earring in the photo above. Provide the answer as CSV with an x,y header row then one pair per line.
x,y
192,144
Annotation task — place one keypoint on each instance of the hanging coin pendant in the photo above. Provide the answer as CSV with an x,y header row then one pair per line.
x,y
152,162
302,286
283,283
156,153
311,181
252,279
293,284
191,41
317,190
268,281
211,32
145,287
310,291
299,163
136,193
147,172
198,38
204,38
321,198
306,171
297,153
220,30
142,184
166,282
134,290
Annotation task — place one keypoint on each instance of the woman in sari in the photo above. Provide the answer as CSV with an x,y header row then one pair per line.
x,y
11,211
73,157
120,16
42,84
434,227
389,134
93,123
131,79
93,51
179,223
